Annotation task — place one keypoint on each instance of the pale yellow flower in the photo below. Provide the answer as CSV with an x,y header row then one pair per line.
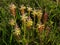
x,y
13,9
39,13
22,7
41,27
17,31
12,6
12,22
29,23
29,9
34,12
24,17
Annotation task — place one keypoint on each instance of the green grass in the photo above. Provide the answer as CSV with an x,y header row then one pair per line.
x,y
30,36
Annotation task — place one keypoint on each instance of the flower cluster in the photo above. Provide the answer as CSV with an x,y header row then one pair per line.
x,y
28,19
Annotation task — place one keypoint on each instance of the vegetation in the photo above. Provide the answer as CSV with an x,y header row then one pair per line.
x,y
29,22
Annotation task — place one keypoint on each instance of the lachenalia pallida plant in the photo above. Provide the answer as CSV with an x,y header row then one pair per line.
x,y
28,19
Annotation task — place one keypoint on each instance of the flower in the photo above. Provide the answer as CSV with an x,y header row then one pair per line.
x,y
24,18
12,22
39,13
29,9
45,17
29,23
22,9
16,30
12,9
34,12
41,27
17,33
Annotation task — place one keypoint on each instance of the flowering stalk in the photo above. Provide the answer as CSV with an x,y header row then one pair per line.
x,y
45,18
17,33
34,14
24,18
39,16
29,9
13,10
22,9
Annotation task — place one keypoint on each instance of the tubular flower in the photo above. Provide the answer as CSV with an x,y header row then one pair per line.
x,y
13,9
39,14
29,23
34,12
24,18
41,27
29,9
17,33
12,22
22,9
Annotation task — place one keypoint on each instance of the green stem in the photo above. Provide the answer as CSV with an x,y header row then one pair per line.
x,y
11,35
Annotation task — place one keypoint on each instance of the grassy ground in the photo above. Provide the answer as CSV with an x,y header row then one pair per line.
x,y
21,32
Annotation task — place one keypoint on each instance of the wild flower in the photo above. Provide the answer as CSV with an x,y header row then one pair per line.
x,y
39,14
13,9
29,23
41,27
17,30
34,12
22,9
29,9
24,18
12,22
